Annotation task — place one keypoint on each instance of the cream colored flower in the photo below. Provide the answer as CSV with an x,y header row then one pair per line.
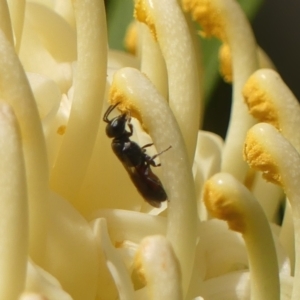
x,y
73,226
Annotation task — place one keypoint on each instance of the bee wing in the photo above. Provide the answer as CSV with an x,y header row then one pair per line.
x,y
147,184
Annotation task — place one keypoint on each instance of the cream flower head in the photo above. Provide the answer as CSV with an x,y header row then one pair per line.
x,y
73,225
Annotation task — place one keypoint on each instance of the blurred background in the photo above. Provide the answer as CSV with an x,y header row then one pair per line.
x,y
277,26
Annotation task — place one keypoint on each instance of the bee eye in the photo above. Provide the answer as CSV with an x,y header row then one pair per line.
x,y
116,127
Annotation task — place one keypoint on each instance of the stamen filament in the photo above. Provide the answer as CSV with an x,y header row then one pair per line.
x,y
13,207
137,93
89,86
229,200
113,261
280,165
17,13
15,90
226,20
157,265
168,25
5,23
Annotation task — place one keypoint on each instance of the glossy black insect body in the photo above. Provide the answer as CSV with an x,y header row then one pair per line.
x,y
134,158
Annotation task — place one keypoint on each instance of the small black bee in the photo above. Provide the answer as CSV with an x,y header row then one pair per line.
x,y
134,158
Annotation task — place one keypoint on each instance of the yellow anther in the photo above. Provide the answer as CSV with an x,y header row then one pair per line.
x,y
207,16
142,14
225,63
259,158
259,102
223,207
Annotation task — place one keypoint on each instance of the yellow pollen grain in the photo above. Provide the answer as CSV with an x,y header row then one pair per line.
x,y
116,96
259,103
259,159
207,16
142,14
223,208
61,129
138,273
225,63
131,38
125,104
119,244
